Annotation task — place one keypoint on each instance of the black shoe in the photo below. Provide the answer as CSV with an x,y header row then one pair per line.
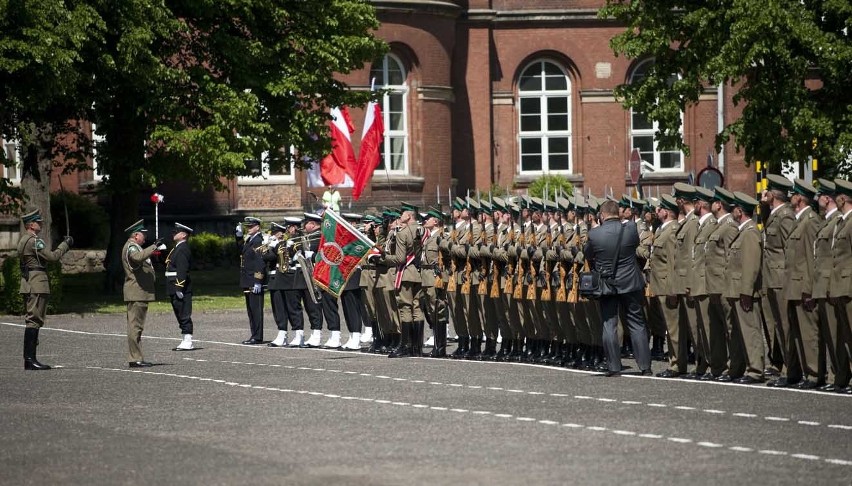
x,y
251,342
724,378
690,376
610,373
780,383
140,364
807,385
668,374
647,372
846,390
32,364
707,377
748,380
771,372
830,387
401,352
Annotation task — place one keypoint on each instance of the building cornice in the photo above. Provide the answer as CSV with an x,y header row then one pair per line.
x,y
434,7
537,16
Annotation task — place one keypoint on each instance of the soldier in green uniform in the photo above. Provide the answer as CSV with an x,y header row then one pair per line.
x,y
34,255
407,252
779,224
684,244
716,258
699,318
663,295
841,281
139,287
434,297
747,359
490,310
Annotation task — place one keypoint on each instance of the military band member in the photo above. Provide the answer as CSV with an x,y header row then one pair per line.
x,y
823,265
840,286
716,257
328,305
179,284
777,228
139,288
699,318
350,299
252,276
277,258
297,295
663,295
803,338
34,255
746,363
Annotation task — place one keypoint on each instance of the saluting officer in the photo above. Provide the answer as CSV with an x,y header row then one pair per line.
x,y
252,276
179,284
139,289
34,254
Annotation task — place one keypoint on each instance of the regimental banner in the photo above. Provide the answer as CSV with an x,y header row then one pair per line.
x,y
341,249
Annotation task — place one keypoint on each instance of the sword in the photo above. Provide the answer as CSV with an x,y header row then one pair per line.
x,y
65,206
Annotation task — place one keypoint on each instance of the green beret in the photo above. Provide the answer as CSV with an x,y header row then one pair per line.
x,y
624,202
745,201
684,191
826,187
458,203
434,213
804,188
498,204
723,195
843,187
408,207
33,216
137,227
779,183
667,201
704,194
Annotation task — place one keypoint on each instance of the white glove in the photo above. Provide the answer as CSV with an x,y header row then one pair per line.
x,y
289,243
273,242
256,289
179,295
239,229
161,246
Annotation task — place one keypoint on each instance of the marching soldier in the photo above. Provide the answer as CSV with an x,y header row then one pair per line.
x,y
512,249
371,333
138,288
841,282
803,338
699,318
407,251
663,294
297,293
721,322
500,258
34,255
746,363
252,276
179,284
779,224
386,307
823,265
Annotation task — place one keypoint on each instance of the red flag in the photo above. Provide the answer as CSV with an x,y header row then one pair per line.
x,y
338,167
371,145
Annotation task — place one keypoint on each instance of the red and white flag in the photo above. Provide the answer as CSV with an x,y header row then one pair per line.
x,y
371,148
338,167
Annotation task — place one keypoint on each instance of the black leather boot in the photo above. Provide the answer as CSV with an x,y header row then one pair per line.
x,y
439,350
417,339
490,350
505,350
30,344
475,348
462,348
403,350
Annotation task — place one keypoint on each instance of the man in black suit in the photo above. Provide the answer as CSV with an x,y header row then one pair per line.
x,y
252,275
625,286
179,284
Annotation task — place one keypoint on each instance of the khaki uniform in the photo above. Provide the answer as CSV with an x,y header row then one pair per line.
x,y
385,295
840,291
744,275
500,258
823,266
662,286
699,318
565,309
512,260
721,320
778,227
684,244
435,308
537,315
492,312
409,243
467,308
34,255
803,337
139,289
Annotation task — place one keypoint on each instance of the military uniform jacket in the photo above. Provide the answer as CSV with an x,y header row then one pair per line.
x,y
716,254
177,269
697,277
684,244
646,240
286,277
429,260
662,259
139,278
841,274
385,272
744,264
252,266
408,242
34,254
778,227
823,260
468,236
799,261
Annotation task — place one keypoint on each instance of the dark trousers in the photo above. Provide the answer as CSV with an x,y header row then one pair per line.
x,y
314,311
351,301
286,306
183,312
254,308
329,311
635,323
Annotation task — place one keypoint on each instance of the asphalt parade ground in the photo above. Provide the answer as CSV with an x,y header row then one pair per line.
x,y
234,414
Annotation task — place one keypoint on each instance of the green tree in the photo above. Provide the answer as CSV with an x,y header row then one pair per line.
x,y
788,62
551,184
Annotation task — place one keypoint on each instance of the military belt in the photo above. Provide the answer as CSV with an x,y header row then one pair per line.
x,y
171,274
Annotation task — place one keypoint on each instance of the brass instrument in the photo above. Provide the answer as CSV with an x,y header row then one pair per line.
x,y
451,283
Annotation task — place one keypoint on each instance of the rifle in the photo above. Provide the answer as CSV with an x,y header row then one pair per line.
x,y
573,296
519,282
482,289
468,268
451,283
561,294
531,287
547,292
510,269
495,270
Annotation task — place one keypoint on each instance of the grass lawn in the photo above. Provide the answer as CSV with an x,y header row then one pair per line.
x,y
214,289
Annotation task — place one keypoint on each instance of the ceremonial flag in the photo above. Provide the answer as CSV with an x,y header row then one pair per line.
x,y
341,249
371,148
338,167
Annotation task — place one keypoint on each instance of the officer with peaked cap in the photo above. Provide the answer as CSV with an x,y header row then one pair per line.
x,y
328,304
685,195
841,282
746,362
277,258
179,284
139,289
664,303
779,223
252,275
699,318
34,255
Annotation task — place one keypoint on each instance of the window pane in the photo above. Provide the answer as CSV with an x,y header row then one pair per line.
x,y
557,105
530,154
530,106
557,145
670,160
530,162
395,102
531,123
553,83
530,146
551,69
557,122
395,76
530,82
641,122
645,144
397,162
557,162
377,73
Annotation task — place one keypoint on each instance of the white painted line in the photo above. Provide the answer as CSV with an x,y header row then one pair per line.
x,y
596,428
382,401
807,422
609,400
457,385
583,397
710,444
572,426
525,419
438,408
651,436
514,391
404,404
658,405
459,410
535,393
836,426
710,410
623,432
503,415
680,440
777,419
746,415
481,412
548,422
417,405
771,452
682,407
474,387
558,395
840,462
631,402
741,449
809,457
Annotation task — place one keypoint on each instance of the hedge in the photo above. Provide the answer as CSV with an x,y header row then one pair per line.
x,y
12,302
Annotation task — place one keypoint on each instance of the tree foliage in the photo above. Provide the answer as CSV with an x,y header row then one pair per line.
x,y
789,62
551,186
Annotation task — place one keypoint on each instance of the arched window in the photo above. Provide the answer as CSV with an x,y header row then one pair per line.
x,y
642,134
390,75
544,93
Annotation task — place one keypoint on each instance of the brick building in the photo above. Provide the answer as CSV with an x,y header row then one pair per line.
x,y
482,92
